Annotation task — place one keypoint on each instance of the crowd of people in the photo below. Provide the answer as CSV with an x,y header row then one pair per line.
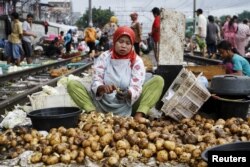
x,y
99,40
229,40
18,45
208,33
96,40
19,40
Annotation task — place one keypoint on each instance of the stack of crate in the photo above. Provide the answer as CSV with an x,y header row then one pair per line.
x,y
185,96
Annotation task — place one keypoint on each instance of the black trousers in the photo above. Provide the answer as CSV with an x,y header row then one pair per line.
x,y
91,46
137,48
68,47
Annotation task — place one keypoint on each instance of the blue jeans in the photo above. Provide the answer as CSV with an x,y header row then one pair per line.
x,y
13,50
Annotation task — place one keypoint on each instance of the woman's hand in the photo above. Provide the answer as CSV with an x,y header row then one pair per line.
x,y
139,117
123,95
105,89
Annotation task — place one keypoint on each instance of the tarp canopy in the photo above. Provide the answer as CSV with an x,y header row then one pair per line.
x,y
63,27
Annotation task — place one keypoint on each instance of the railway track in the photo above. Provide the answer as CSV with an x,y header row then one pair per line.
x,y
199,60
33,71
11,95
16,86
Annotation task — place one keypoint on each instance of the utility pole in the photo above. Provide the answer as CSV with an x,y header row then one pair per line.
x,y
90,13
37,10
14,5
194,15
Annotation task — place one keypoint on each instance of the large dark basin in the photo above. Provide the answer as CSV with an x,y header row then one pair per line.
x,y
45,119
238,146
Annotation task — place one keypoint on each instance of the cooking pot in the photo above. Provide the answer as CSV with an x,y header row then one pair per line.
x,y
237,146
230,85
226,107
47,118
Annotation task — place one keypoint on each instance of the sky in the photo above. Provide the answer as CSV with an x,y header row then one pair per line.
x,y
216,7
123,8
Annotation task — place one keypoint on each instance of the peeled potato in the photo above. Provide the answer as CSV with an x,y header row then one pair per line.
x,y
169,145
51,160
147,153
162,156
65,158
113,161
37,157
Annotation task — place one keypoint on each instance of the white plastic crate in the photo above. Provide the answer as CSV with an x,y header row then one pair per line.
x,y
39,100
184,97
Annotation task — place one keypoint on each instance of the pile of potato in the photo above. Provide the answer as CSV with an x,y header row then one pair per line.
x,y
107,139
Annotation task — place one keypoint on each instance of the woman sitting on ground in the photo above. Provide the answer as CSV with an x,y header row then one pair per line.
x,y
54,50
118,84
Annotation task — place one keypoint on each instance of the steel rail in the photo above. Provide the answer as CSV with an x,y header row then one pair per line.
x,y
26,72
198,58
201,60
20,98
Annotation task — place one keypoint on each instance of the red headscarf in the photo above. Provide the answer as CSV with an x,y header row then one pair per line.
x,y
124,30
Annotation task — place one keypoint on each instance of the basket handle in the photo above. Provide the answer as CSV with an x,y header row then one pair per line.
x,y
31,101
230,76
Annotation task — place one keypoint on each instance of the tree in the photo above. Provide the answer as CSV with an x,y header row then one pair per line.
x,y
245,14
241,16
100,17
223,19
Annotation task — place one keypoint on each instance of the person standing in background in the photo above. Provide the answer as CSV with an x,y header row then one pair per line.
x,y
14,50
90,38
46,27
241,37
75,40
98,33
27,37
7,27
227,19
155,33
110,28
212,37
218,24
136,27
103,45
68,41
229,31
200,33
61,37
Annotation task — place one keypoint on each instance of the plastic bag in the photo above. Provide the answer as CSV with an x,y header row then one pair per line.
x,y
13,119
203,81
